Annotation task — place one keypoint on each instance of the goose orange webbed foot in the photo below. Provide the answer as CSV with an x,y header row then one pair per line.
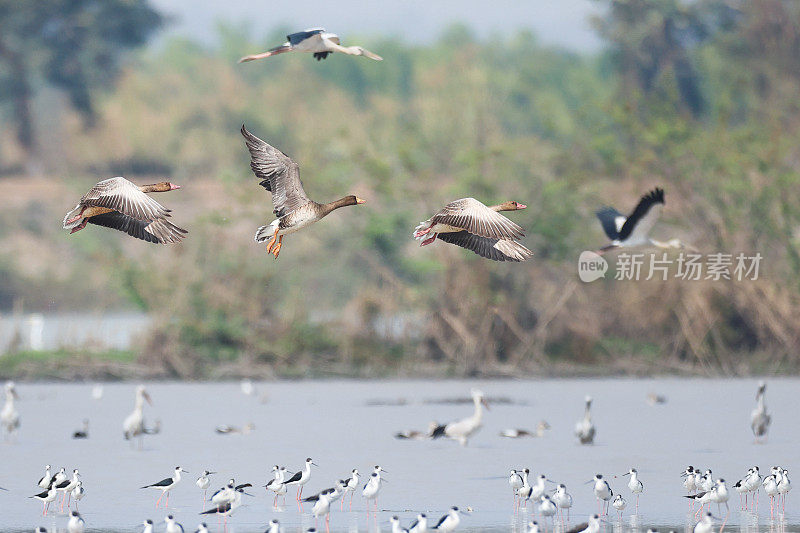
x,y
277,248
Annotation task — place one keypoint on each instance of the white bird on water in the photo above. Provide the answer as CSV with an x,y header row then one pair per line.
x,y
76,523
172,525
706,525
619,504
133,426
167,484
9,417
462,430
592,526
78,493
420,525
563,500
635,485
371,489
450,521
203,482
584,429
351,484
45,480
148,526
759,418
603,493
515,482
546,507
301,478
316,41
274,526
46,497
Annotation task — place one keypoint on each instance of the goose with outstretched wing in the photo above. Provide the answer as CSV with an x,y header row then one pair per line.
x,y
470,224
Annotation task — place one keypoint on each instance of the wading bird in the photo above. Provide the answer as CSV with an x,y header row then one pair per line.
x,y
450,521
203,482
133,426
301,478
315,40
82,433
76,523
472,225
541,427
119,204
634,230
9,417
166,485
413,434
635,485
462,430
280,175
584,429
759,418
46,497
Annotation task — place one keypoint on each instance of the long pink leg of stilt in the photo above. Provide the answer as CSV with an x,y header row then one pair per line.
x,y
167,504
159,499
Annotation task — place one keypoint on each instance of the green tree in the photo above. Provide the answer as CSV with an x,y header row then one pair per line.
x,y
73,45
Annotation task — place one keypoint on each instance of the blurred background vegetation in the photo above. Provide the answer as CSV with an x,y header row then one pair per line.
x,y
700,97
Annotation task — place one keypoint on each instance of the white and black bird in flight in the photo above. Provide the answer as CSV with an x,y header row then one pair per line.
x,y
316,41
634,230
166,484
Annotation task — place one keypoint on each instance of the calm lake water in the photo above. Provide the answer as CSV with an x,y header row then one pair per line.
x,y
350,424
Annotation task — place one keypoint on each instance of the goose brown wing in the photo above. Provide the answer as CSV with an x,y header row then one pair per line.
x,y
494,249
474,217
279,174
121,195
156,231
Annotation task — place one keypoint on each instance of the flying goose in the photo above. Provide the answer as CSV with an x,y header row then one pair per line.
x,y
280,175
472,225
119,204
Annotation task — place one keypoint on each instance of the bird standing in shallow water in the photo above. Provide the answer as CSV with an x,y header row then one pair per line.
x,y
635,485
619,504
759,418
203,482
9,417
449,522
462,430
167,484
584,429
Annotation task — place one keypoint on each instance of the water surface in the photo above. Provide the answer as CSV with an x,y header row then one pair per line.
x,y
350,424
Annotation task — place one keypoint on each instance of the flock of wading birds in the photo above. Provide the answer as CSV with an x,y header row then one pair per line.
x,y
120,204
700,485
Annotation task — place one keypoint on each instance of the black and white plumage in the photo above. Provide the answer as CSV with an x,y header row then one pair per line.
x,y
82,433
46,496
75,523
166,484
449,522
462,430
634,230
228,507
420,525
148,526
172,525
274,526
44,481
316,41
759,418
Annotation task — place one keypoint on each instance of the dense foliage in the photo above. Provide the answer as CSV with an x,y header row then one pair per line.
x,y
700,97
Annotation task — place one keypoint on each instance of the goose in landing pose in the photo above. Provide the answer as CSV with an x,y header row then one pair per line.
x,y
315,40
280,175
634,230
119,204
462,430
759,419
472,225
